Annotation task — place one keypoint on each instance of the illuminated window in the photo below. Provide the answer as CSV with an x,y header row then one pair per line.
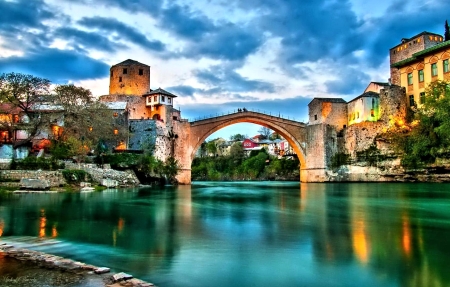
x,y
120,79
421,79
115,114
372,113
116,131
411,101
422,97
141,72
434,70
125,71
410,78
446,68
418,40
431,38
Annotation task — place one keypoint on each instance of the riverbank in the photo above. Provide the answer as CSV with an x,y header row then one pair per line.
x,y
25,267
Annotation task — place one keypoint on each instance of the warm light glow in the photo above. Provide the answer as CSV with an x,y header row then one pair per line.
x,y
360,245
90,129
2,227
54,231
121,146
42,224
116,131
120,225
406,238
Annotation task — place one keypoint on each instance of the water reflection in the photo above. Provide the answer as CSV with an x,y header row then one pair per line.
x,y
255,234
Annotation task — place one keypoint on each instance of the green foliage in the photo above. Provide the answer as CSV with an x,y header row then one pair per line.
x,y
238,167
35,163
339,159
59,150
121,161
371,155
238,137
427,137
75,175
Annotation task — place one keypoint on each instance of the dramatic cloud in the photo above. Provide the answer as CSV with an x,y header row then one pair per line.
x,y
56,65
121,32
87,40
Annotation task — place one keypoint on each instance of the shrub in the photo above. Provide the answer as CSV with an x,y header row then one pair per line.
x,y
35,163
75,175
339,159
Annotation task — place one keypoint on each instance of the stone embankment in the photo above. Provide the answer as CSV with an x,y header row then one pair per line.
x,y
53,262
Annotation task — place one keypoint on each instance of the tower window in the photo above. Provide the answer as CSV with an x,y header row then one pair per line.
x,y
120,79
410,79
111,74
315,117
125,71
141,72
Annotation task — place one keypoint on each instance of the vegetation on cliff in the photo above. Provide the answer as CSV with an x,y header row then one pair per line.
x,y
259,165
424,139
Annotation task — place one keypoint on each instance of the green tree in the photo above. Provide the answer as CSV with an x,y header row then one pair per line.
x,y
238,137
18,95
447,31
237,153
211,148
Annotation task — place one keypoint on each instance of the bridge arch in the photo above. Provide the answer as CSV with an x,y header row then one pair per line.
x,y
294,132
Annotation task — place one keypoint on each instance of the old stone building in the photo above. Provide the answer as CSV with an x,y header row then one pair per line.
x,y
152,121
418,61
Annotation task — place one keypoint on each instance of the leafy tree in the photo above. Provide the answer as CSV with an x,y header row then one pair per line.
x,y
238,137
237,153
18,94
265,132
85,118
426,138
171,168
77,149
211,147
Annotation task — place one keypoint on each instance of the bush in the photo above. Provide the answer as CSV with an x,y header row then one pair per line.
x,y
75,175
35,163
339,159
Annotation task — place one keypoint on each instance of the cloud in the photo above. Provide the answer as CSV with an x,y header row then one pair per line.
x,y
351,80
58,66
24,14
87,40
225,78
293,108
122,32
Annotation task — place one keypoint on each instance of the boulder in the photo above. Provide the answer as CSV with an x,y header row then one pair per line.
x,y
32,183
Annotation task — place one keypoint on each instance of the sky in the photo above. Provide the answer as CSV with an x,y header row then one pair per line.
x,y
217,55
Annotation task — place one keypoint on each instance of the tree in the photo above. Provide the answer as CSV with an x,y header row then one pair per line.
x,y
426,138
265,132
211,147
18,95
85,118
237,153
447,31
238,137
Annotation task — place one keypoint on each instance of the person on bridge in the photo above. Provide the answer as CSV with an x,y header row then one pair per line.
x,y
244,109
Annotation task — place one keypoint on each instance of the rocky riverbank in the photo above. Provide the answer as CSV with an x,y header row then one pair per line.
x,y
24,267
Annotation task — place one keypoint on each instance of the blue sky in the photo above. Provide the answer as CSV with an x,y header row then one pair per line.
x,y
217,55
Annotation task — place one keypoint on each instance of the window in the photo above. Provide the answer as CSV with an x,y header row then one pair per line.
x,y
120,79
434,70
315,117
141,72
111,74
116,114
410,78
125,71
372,113
411,101
163,99
155,99
422,97
446,68
169,100
421,79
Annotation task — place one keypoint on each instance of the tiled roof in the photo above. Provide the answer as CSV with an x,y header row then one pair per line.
x,y
160,91
130,62
365,95
415,36
329,100
415,56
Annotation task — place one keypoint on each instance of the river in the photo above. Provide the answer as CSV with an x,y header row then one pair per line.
x,y
247,233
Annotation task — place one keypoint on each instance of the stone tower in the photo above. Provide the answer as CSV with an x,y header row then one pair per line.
x,y
129,78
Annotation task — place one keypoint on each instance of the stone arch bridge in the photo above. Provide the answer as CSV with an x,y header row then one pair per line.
x,y
193,134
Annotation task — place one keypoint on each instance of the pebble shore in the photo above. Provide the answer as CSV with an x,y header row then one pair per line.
x,y
52,262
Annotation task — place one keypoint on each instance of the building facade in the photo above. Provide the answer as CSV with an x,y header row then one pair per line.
x,y
418,61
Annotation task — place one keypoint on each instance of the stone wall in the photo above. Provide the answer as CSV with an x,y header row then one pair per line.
x,y
136,105
124,178
54,177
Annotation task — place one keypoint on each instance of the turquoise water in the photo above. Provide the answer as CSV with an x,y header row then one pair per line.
x,y
248,234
